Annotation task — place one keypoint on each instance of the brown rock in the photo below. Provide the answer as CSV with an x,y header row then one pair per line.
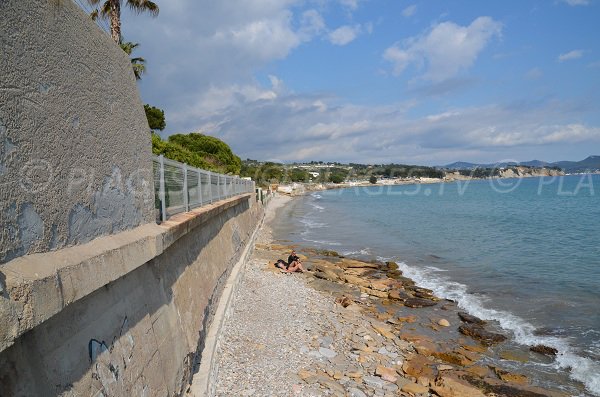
x,y
478,370
388,374
453,358
380,285
477,332
407,319
446,386
351,263
392,266
419,366
509,376
344,301
542,349
467,318
374,292
359,281
418,302
414,388
383,329
475,348
443,322
514,355
305,374
501,388
398,294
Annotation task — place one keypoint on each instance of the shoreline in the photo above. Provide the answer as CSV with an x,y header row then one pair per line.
x,y
303,188
385,334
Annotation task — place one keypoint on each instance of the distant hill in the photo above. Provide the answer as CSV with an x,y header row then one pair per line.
x,y
592,163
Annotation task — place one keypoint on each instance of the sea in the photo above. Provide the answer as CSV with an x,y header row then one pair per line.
x,y
522,253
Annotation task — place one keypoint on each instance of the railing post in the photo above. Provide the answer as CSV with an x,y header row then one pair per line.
x,y
161,192
210,192
200,187
186,204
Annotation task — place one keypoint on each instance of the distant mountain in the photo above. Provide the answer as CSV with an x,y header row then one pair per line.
x,y
592,163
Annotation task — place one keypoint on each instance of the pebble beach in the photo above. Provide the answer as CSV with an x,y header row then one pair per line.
x,y
352,328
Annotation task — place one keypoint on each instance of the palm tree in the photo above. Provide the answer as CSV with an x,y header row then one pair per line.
x,y
111,9
138,63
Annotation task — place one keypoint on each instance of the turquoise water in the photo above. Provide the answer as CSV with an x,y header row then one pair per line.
x,y
523,252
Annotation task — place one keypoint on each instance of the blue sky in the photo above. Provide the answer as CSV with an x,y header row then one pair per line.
x,y
425,82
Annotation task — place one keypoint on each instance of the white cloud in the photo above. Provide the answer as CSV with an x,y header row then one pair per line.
x,y
445,50
350,4
577,2
575,54
534,73
409,11
344,34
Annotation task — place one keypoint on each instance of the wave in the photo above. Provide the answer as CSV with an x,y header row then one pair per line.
x,y
582,369
316,195
364,251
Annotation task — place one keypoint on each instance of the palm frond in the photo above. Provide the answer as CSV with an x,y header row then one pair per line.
x,y
140,6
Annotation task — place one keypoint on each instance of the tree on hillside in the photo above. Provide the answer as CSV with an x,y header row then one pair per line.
x,y
137,63
211,149
156,117
111,9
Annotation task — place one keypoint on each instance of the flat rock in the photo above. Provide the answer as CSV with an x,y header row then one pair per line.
x,y
388,374
374,382
477,332
418,302
327,352
414,388
449,387
354,392
467,318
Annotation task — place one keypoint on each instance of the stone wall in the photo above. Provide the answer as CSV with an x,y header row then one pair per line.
x,y
141,334
74,141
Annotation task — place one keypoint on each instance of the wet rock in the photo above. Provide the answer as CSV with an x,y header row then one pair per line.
x,y
328,253
467,318
509,376
418,302
478,333
514,355
419,366
453,358
392,266
446,386
501,388
478,370
394,274
407,319
543,349
398,294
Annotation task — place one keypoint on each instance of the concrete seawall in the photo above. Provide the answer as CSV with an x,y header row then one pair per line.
x,y
134,323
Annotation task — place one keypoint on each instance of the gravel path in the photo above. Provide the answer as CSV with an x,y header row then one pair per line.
x,y
274,318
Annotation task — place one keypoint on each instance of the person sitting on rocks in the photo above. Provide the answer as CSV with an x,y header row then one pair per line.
x,y
294,264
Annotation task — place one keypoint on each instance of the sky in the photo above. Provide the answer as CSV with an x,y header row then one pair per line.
x,y
378,81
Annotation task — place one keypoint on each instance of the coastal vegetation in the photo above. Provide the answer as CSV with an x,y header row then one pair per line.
x,y
156,117
198,150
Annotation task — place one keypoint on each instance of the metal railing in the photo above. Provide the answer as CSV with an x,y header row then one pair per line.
x,y
180,187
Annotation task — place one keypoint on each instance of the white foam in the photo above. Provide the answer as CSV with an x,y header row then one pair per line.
x,y
364,251
582,369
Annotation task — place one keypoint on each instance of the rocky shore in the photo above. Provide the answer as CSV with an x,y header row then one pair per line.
x,y
354,328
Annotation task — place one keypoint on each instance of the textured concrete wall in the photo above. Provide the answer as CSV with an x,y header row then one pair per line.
x,y
74,142
141,334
